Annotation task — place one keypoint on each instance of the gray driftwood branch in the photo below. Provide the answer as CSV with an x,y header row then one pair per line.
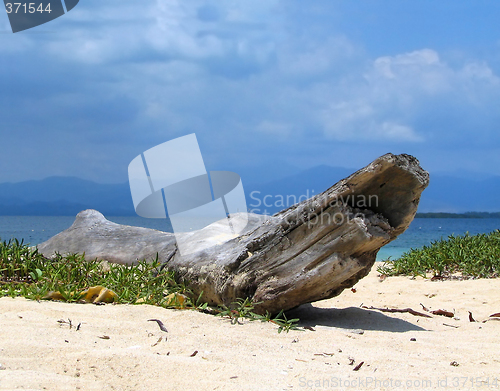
x,y
308,252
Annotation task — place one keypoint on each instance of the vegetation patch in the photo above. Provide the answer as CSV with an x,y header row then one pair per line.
x,y
467,256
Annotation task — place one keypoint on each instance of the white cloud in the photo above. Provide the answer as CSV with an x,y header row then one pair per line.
x,y
359,121
163,30
424,72
398,132
420,70
402,92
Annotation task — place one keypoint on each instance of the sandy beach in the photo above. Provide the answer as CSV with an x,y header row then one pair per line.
x,y
115,347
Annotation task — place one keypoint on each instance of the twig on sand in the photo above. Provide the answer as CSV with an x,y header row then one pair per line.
x,y
495,316
487,320
62,321
160,324
157,342
448,314
356,368
70,323
409,310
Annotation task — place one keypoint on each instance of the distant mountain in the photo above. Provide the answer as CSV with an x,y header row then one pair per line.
x,y
271,197
457,195
261,171
64,196
444,193
69,195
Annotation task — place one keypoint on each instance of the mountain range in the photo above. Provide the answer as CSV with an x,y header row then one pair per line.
x,y
69,195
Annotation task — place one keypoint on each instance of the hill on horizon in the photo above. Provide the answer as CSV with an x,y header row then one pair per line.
x,y
66,196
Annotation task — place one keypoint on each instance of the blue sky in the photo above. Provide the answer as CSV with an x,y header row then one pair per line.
x,y
265,84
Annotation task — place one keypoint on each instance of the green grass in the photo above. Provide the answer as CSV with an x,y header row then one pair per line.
x,y
27,273
243,309
465,256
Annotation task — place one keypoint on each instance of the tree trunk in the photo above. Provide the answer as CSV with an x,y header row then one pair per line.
x,y
308,252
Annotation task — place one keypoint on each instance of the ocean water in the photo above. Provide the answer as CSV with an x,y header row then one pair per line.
x,y
422,232
37,229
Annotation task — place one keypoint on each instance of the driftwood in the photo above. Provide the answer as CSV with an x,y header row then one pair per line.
x,y
308,252
400,310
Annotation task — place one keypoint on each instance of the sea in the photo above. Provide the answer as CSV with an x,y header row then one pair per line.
x,y
34,230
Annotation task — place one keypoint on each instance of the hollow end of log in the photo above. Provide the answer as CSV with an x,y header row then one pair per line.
x,y
317,248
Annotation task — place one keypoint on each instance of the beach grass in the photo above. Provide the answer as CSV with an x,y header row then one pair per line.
x,y
24,272
465,256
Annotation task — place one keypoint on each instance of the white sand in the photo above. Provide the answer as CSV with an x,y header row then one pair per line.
x,y
38,353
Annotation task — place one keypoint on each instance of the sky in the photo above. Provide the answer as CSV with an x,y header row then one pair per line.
x,y
266,85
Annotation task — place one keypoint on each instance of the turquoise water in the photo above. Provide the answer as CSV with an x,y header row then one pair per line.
x,y
37,229
424,231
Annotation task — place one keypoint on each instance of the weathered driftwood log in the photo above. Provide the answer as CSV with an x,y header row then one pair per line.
x,y
308,252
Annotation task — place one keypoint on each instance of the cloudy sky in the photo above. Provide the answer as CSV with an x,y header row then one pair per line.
x,y
280,84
